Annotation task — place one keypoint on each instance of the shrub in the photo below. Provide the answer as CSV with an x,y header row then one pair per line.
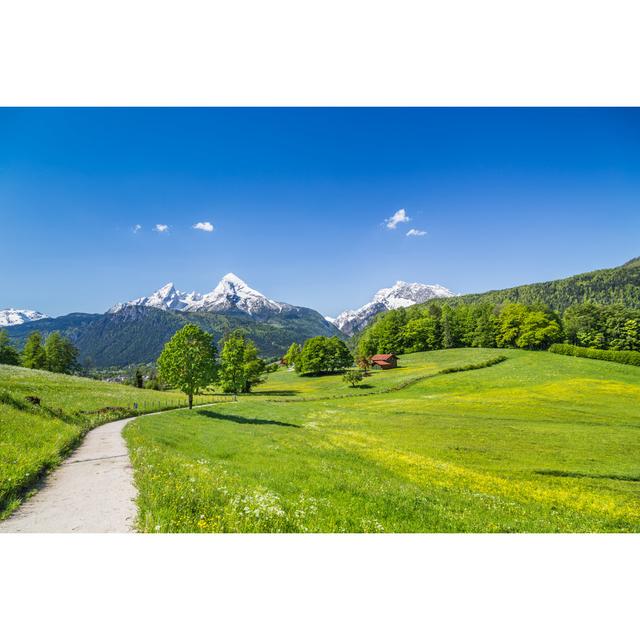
x,y
353,378
622,357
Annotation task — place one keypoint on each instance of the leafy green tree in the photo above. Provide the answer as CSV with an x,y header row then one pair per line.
x,y
240,367
8,353
450,328
292,355
484,322
367,344
33,354
420,334
188,361
385,334
323,355
254,367
341,357
510,321
353,377
61,354
582,322
539,330
630,338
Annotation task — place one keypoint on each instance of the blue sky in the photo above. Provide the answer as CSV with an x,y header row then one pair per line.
x,y
298,199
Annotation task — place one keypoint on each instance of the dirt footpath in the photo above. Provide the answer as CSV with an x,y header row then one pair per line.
x,y
91,492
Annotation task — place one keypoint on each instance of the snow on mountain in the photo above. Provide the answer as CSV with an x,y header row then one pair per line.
x,y
11,317
401,294
233,293
229,294
167,297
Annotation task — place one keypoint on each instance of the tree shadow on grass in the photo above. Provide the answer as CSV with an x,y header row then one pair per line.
x,y
242,420
596,476
287,392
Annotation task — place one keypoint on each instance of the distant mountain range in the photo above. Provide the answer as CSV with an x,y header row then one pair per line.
x,y
11,317
134,332
401,294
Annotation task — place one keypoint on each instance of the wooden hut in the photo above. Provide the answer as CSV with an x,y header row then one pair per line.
x,y
385,360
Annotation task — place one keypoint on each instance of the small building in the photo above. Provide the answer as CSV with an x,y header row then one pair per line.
x,y
384,360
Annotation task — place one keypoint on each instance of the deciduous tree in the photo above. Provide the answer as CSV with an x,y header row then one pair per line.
x,y
292,355
188,361
323,355
240,366
353,377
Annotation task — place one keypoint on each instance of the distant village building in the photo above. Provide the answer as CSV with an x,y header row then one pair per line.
x,y
384,361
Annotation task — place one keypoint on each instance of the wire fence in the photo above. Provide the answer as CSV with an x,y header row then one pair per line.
x,y
151,406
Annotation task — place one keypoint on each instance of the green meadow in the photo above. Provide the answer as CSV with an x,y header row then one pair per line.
x,y
537,443
35,438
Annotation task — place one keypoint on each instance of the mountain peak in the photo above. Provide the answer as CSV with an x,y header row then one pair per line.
x,y
231,293
232,277
166,297
401,294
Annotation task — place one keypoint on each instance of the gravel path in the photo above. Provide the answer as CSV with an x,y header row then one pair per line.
x,y
92,491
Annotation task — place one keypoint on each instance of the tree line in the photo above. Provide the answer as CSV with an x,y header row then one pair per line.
x,y
506,325
56,353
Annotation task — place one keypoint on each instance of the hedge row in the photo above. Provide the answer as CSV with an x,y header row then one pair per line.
x,y
623,357
471,367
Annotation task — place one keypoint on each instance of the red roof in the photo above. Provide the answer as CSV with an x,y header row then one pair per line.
x,y
383,356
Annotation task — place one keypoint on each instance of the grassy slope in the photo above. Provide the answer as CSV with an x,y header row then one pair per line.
x,y
35,439
537,443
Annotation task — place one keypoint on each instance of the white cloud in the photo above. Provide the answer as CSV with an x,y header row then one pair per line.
x,y
137,228
414,233
399,216
203,226
162,228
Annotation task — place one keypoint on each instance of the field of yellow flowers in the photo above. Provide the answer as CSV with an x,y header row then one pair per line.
x,y
537,443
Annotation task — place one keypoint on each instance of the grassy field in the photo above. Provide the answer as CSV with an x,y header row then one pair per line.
x,y
538,443
288,385
34,439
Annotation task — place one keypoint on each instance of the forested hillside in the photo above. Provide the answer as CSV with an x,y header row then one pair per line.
x,y
619,285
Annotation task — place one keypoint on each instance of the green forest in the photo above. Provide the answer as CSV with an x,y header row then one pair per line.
x,y
618,285
507,325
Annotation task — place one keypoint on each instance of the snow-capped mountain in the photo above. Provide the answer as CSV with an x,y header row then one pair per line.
x,y
230,294
402,294
11,317
167,297
233,293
